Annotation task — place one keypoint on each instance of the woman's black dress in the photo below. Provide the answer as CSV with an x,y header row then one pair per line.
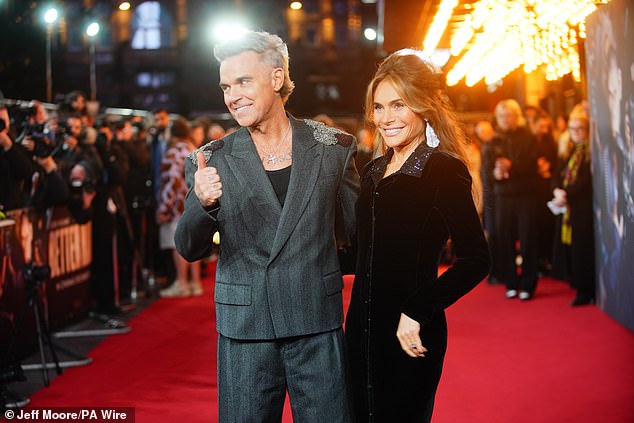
x,y
403,223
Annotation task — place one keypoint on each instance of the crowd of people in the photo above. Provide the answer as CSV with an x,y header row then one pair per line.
x,y
124,173
537,198
289,195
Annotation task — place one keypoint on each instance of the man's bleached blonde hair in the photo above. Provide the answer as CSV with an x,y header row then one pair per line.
x,y
271,49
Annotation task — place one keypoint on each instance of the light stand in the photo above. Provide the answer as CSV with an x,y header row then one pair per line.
x,y
92,30
50,16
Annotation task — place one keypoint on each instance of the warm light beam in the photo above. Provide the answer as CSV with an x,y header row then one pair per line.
x,y
438,26
501,35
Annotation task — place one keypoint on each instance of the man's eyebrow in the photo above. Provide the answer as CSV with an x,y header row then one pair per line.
x,y
237,80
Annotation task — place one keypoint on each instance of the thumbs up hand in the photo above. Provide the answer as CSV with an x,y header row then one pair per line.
x,y
207,185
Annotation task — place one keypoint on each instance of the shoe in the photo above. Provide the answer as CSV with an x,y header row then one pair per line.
x,y
492,280
525,296
581,300
108,309
176,290
511,293
10,400
196,289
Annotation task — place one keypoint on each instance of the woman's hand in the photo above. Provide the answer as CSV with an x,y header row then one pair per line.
x,y
408,334
560,198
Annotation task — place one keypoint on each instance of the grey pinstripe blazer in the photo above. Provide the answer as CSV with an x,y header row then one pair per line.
x,y
278,272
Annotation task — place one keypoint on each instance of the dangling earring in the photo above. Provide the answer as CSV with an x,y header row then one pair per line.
x,y
430,135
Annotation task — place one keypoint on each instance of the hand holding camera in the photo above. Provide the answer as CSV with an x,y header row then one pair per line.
x,y
83,187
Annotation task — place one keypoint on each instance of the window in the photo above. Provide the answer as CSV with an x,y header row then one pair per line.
x,y
150,27
155,79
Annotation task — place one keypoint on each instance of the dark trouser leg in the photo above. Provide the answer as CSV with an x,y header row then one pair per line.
x,y
316,377
251,385
582,261
253,377
528,236
506,230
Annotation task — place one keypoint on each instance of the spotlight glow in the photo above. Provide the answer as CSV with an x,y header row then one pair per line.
x,y
51,15
369,34
228,30
125,5
296,5
92,29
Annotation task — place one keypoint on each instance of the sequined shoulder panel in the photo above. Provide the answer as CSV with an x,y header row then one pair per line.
x,y
328,135
207,150
413,166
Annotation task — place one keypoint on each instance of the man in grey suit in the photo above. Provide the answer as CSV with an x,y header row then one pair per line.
x,y
272,189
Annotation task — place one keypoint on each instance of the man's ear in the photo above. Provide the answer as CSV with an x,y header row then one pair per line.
x,y
278,79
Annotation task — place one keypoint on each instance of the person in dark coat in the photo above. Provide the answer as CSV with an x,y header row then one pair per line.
x,y
413,199
15,167
574,192
511,163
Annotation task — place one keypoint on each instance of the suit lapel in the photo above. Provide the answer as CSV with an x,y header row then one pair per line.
x,y
307,153
247,169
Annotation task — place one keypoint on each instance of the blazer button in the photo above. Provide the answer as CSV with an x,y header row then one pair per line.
x,y
376,194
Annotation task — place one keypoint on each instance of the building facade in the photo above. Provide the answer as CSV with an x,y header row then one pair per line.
x,y
159,53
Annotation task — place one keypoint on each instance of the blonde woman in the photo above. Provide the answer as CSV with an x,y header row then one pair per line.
x,y
413,199
574,192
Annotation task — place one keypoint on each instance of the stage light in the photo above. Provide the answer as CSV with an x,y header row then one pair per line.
x,y
228,29
124,5
92,29
296,5
51,15
369,34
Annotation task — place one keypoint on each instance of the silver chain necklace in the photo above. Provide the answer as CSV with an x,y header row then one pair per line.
x,y
271,158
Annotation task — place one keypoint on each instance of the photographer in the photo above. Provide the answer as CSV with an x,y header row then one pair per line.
x,y
75,148
35,136
110,214
46,187
132,137
15,167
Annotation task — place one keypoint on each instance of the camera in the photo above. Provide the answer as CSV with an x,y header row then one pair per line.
x,y
77,189
88,185
12,373
35,274
39,135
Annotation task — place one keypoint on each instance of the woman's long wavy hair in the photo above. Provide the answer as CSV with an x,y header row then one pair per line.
x,y
422,89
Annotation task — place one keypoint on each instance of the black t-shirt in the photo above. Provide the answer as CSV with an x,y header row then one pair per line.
x,y
280,179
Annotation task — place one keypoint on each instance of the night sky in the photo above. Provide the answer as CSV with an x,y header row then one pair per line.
x,y
22,50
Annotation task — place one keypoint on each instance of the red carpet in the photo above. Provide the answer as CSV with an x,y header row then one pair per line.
x,y
540,361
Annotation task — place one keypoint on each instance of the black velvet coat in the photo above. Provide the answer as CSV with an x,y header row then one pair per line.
x,y
403,223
